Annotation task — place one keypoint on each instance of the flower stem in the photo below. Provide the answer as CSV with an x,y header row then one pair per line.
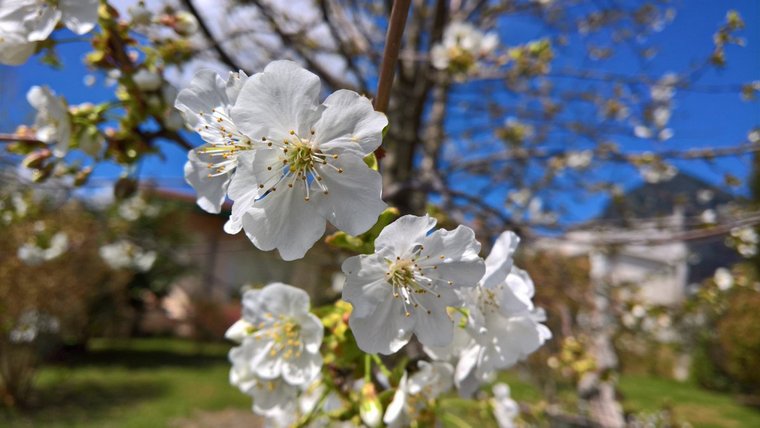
x,y
396,25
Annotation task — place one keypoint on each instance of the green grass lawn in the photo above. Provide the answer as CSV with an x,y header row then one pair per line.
x,y
154,382
139,383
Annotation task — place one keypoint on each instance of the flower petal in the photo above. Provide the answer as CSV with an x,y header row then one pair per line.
x,y
385,330
283,220
401,236
276,298
365,286
211,190
349,124
79,16
353,202
499,261
283,98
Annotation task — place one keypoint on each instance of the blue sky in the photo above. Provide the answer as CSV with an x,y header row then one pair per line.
x,y
700,120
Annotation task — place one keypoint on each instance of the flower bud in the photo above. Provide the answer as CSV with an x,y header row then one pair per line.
x,y
370,409
147,80
185,24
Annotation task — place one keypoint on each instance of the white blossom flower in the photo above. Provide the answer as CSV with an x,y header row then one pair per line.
x,y
147,80
31,324
206,106
502,326
281,336
723,279
136,207
580,159
52,123
461,47
33,254
311,169
124,254
405,287
40,17
271,397
505,409
413,392
745,240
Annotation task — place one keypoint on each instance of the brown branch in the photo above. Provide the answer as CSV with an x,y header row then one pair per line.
x,y
12,138
223,56
396,25
342,46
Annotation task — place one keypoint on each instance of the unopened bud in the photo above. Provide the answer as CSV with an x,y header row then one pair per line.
x,y
185,24
370,409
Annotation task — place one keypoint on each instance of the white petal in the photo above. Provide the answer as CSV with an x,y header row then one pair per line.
x,y
353,202
211,190
401,236
385,330
275,298
434,329
238,331
349,124
244,187
283,98
283,220
395,411
518,292
499,261
465,376
15,49
365,284
205,92
312,332
302,370
455,255
235,82
79,16
41,24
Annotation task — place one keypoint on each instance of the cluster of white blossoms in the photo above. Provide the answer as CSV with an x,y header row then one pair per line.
x,y
31,325
278,353
38,250
405,287
462,46
24,23
499,325
125,254
289,163
744,240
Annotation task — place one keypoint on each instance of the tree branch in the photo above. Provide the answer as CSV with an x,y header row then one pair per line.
x,y
223,56
396,25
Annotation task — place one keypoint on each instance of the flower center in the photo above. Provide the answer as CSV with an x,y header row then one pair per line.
x,y
409,282
300,162
284,333
301,157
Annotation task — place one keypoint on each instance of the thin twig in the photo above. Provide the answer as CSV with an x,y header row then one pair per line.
x,y
11,138
207,32
396,25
